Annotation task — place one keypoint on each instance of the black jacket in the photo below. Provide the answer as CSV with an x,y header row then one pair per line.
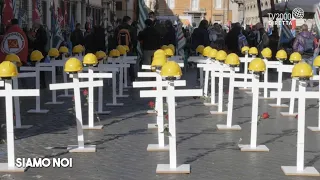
x,y
170,36
200,36
99,39
77,37
150,38
40,40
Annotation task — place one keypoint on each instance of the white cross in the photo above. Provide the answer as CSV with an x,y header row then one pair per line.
x,y
255,85
246,59
199,60
90,76
216,66
17,99
159,84
9,93
76,85
317,128
280,73
301,95
106,68
65,78
37,69
171,93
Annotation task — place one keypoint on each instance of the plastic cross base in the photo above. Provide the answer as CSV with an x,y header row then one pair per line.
x,y
287,114
157,148
116,104
41,111
266,98
219,113
314,129
248,148
180,169
278,106
86,127
23,127
226,127
54,102
245,89
86,148
103,112
5,168
66,95
151,111
292,171
122,96
210,104
152,126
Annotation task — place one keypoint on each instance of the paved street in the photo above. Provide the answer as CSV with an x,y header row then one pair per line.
x,y
121,145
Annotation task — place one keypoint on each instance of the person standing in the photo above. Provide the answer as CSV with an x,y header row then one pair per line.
x,y
39,43
77,36
150,40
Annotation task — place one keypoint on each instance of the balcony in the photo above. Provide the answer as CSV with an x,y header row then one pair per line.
x,y
237,1
195,10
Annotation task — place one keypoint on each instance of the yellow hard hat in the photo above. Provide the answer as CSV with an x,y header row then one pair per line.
x,y
200,49
169,52
295,57
171,70
13,58
90,59
316,61
127,48
213,53
77,49
53,52
73,65
221,55
266,53
257,65
253,51
206,51
8,69
63,49
164,47
158,61
114,53
244,49
101,55
36,55
159,52
121,49
281,55
302,70
171,46
232,60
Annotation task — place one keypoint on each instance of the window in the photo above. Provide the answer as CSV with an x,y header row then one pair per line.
x,y
219,4
119,6
171,4
195,5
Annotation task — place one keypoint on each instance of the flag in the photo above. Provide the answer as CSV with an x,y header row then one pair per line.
x,y
35,11
72,28
181,40
39,7
65,16
143,13
57,37
7,12
285,33
317,18
269,30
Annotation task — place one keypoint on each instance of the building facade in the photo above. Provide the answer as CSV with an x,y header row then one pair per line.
x,y
220,11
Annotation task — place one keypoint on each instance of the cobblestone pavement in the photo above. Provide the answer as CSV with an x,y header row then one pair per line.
x,y
121,145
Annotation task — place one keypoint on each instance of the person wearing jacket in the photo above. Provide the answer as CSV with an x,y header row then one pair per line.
x,y
170,36
200,35
77,36
99,39
150,40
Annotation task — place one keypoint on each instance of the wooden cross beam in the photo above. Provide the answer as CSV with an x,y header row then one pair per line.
x,y
9,93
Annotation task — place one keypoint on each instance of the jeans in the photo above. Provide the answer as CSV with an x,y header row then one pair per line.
x,y
309,59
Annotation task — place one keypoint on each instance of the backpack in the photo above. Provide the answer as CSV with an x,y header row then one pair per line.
x,y
308,46
124,37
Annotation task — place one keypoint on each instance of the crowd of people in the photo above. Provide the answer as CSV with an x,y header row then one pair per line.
x,y
157,33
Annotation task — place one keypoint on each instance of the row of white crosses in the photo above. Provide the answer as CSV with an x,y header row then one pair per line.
x,y
9,93
170,94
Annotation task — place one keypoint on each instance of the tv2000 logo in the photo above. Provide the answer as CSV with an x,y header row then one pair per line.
x,y
44,162
285,18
